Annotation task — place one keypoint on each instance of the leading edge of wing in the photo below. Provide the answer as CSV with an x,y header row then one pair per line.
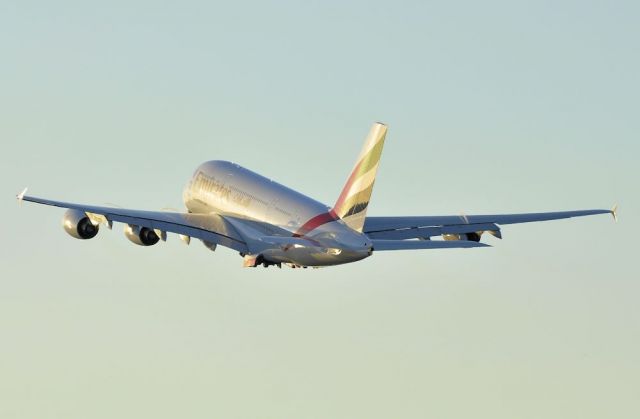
x,y
424,244
209,227
394,223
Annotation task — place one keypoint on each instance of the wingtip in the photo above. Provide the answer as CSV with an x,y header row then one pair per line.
x,y
20,196
614,212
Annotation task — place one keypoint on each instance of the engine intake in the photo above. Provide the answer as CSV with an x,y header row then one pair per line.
x,y
142,236
78,225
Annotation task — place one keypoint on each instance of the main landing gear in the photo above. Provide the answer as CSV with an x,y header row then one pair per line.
x,y
255,261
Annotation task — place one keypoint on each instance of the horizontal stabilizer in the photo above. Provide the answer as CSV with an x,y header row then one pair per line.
x,y
424,244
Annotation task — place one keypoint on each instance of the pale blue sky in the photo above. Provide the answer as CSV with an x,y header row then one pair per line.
x,y
492,107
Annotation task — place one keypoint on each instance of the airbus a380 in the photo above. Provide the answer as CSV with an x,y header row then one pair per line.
x,y
270,224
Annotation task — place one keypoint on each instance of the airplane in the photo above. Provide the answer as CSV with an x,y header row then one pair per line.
x,y
271,224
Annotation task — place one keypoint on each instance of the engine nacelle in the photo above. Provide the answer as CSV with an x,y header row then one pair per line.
x,y
78,225
473,236
142,236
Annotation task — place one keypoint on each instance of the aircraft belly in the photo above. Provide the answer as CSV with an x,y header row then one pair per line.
x,y
311,256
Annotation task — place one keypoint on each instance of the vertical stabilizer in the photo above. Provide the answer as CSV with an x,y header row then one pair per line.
x,y
354,199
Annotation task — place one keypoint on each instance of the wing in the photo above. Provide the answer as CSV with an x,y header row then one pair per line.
x,y
454,226
210,228
424,244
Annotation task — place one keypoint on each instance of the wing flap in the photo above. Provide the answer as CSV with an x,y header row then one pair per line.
x,y
379,224
427,232
424,244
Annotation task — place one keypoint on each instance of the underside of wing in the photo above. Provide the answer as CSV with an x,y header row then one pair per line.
x,y
458,227
212,229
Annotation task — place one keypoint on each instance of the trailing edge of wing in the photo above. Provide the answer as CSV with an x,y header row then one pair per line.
x,y
424,244
377,224
209,227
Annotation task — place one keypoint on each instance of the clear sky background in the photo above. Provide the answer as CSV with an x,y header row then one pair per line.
x,y
493,106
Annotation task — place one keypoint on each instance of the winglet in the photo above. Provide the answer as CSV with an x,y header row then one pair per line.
x,y
20,196
614,212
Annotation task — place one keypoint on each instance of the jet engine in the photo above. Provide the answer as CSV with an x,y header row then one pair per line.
x,y
78,225
473,236
142,236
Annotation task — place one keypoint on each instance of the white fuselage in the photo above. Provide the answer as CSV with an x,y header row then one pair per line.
x,y
270,209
